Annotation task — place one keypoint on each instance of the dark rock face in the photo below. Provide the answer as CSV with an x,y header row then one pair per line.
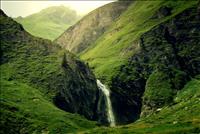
x,y
101,109
162,12
126,99
79,92
168,58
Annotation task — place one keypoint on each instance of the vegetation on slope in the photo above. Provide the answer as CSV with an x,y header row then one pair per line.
x,y
181,117
121,40
168,57
164,59
50,22
25,109
35,73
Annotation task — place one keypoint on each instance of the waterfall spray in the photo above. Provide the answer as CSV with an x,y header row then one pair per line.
x,y
106,92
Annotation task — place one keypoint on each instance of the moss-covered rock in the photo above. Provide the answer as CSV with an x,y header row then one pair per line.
x,y
158,92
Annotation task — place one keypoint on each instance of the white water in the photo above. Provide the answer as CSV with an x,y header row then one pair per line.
x,y
106,92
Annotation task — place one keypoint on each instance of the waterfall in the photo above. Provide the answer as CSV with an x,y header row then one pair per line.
x,y
106,92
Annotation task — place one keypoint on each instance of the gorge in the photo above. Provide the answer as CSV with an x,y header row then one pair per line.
x,y
126,67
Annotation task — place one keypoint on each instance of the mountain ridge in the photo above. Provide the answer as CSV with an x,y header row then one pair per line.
x,y
90,27
50,22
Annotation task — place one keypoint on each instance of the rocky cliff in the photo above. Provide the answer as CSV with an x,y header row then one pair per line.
x,y
82,35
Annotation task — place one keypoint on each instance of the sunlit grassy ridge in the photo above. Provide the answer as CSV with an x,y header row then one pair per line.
x,y
113,49
50,22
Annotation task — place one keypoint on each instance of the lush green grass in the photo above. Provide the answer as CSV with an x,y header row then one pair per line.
x,y
32,60
45,29
181,117
27,106
49,23
33,72
25,110
113,49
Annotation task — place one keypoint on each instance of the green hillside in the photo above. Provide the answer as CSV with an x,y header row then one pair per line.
x,y
50,22
34,73
25,109
121,40
147,57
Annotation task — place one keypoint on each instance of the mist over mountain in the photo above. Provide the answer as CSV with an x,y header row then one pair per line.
x,y
49,23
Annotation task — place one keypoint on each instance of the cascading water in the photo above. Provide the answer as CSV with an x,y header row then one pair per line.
x,y
106,92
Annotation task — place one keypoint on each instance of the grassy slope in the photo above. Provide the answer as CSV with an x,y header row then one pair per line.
x,y
182,117
32,60
46,29
24,109
49,24
30,75
112,49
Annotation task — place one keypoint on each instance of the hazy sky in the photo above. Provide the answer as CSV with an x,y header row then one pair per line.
x,y
24,8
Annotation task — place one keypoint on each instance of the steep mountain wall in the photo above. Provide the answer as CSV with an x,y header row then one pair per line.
x,y
167,59
83,34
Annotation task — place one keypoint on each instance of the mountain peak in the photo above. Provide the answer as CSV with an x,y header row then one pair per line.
x,y
57,9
